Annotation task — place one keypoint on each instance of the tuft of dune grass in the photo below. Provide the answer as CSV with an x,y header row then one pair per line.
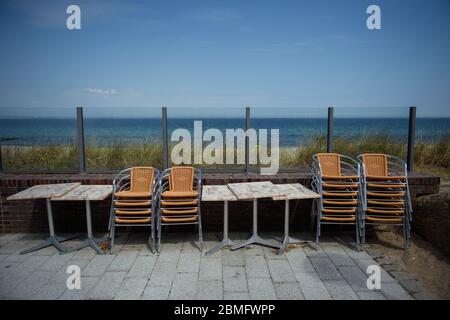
x,y
428,156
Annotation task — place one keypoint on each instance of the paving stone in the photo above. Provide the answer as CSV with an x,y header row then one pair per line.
x,y
280,271
191,246
411,285
340,290
288,291
401,276
272,254
50,292
209,289
87,283
233,258
371,295
60,276
425,296
163,274
256,267
338,255
210,269
142,267
229,295
55,262
356,255
184,286
9,283
156,293
234,279
253,250
131,289
261,289
299,261
394,291
312,287
170,252
317,252
107,286
385,277
31,285
189,262
31,264
3,257
355,277
325,268
123,261
98,265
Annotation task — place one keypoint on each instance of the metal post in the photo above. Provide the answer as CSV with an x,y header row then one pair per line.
x,y
247,145
330,129
411,137
165,138
80,126
1,163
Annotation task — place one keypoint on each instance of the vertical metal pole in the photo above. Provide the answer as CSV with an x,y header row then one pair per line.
x,y
330,129
51,225
247,146
1,163
165,138
80,126
411,137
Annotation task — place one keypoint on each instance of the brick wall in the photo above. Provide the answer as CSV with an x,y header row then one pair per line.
x,y
30,216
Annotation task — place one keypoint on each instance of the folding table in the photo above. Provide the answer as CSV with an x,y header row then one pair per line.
x,y
88,193
47,191
254,191
219,193
293,191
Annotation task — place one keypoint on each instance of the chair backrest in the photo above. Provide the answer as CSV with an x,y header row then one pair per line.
x,y
330,164
375,164
142,179
181,179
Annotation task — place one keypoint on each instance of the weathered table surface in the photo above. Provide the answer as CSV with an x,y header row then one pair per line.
x,y
217,193
295,191
254,190
42,191
87,192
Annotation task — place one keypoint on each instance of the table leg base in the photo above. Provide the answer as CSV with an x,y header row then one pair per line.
x,y
289,240
50,241
224,243
90,242
255,239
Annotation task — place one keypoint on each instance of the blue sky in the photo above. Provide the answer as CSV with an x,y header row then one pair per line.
x,y
226,54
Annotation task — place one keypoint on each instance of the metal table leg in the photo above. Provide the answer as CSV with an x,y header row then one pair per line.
x,y
53,240
90,241
255,238
286,238
226,240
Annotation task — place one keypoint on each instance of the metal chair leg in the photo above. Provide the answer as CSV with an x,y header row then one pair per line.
x,y
112,235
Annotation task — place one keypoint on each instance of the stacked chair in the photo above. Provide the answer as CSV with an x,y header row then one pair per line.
x,y
179,194
134,201
336,178
385,193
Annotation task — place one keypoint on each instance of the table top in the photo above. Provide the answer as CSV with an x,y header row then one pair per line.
x,y
44,191
295,191
217,193
254,190
86,192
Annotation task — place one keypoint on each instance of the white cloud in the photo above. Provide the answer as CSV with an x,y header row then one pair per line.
x,y
103,92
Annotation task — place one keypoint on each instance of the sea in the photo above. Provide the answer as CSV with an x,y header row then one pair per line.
x,y
292,131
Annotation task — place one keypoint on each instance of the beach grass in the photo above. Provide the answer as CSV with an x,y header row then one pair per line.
x,y
433,157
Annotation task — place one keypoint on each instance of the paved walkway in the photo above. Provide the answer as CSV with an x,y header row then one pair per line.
x,y
181,272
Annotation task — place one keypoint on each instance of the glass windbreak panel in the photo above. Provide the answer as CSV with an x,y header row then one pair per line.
x,y
432,147
371,130
208,138
119,138
38,140
301,131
